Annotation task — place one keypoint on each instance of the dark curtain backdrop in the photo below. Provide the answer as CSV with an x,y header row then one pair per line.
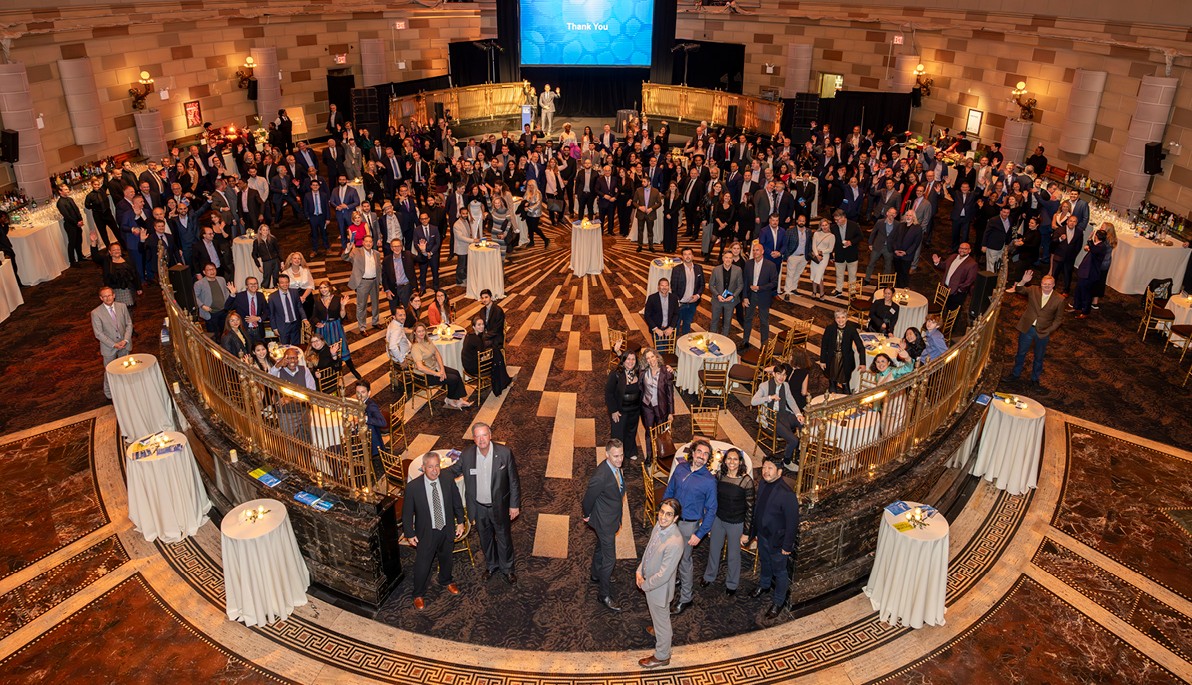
x,y
869,110
509,36
666,14
590,91
715,66
468,63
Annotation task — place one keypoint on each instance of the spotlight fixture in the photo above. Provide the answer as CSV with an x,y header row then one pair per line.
x,y
245,73
1026,104
139,94
922,81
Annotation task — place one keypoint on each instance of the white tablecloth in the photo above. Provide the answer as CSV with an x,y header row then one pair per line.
x,y
451,348
1011,445
913,314
1136,261
690,363
40,252
415,469
890,347
243,261
523,231
909,578
587,249
326,428
485,271
681,455
264,574
658,220
229,163
659,268
166,497
10,292
139,395
1180,305
857,432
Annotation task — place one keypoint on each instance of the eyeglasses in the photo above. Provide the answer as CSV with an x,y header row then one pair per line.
x,y
666,512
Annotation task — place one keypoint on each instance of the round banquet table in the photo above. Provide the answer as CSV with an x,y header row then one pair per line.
x,y
1011,445
264,574
681,455
229,163
1180,305
912,314
587,249
326,428
414,469
242,259
452,348
659,268
10,291
1137,260
143,404
40,252
890,346
485,271
166,497
861,430
910,572
690,363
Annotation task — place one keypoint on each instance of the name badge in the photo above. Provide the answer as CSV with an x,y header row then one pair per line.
x,y
472,471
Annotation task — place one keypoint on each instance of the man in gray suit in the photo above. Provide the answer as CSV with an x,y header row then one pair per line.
x,y
366,272
728,278
113,329
656,578
881,244
213,296
468,228
646,201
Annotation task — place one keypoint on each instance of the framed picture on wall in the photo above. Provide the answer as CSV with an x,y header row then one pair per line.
x,y
973,125
194,114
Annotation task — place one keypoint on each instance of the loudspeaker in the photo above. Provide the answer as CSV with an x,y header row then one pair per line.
x,y
252,89
182,280
982,292
1152,158
365,109
10,150
732,116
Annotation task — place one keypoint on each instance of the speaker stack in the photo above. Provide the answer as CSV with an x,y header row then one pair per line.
x,y
982,293
182,280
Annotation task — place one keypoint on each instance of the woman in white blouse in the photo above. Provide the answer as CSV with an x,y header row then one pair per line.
x,y
301,280
822,244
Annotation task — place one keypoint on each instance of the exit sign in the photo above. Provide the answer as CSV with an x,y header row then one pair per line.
x,y
898,39
341,58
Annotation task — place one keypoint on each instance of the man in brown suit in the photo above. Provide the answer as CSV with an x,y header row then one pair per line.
x,y
1044,308
646,201
960,273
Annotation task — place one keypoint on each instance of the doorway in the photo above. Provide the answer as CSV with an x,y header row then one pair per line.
x,y
340,83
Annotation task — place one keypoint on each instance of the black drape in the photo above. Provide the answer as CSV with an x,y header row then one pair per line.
x,y
509,36
469,64
590,91
714,66
661,61
869,110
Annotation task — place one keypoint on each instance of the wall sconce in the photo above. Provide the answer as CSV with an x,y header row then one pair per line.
x,y
922,81
138,94
1027,105
245,73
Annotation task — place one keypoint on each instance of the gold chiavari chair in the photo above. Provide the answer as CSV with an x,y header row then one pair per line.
x,y
767,430
484,373
650,505
949,323
395,474
797,337
329,382
751,376
938,300
1184,332
705,423
662,446
884,280
1153,314
420,386
397,428
665,344
713,381
462,543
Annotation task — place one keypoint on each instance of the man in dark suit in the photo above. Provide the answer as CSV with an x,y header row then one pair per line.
x,y
775,526
1065,248
761,282
964,210
305,158
407,214
212,249
603,510
101,211
586,187
881,244
773,240
157,240
783,204
345,200
393,171
646,201
286,313
432,504
691,193
847,252
960,273
494,498
335,121
250,206
315,204
687,278
804,196
907,240
253,309
494,319
397,275
72,224
662,311
606,189
1042,317
836,353
425,244
333,159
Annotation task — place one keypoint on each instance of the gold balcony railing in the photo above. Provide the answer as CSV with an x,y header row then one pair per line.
x,y
851,438
752,114
321,436
487,101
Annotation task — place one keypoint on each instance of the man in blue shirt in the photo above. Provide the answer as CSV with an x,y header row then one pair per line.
x,y
695,489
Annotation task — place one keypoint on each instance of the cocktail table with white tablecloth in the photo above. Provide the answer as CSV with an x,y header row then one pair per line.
x,y
587,249
40,252
139,395
909,579
1011,444
451,346
242,259
326,428
485,270
10,290
690,363
658,222
1180,305
1137,261
852,432
166,497
717,446
414,469
265,576
911,314
659,268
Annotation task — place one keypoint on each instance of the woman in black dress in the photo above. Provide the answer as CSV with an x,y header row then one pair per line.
x,y
267,254
623,399
477,342
724,221
119,274
236,339
672,208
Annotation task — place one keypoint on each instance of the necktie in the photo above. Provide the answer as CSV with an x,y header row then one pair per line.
x,y
436,506
252,308
620,483
285,305
112,311
318,205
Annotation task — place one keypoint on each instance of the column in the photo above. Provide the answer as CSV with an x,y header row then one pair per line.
x,y
903,80
150,132
268,83
1015,138
372,61
82,100
1083,104
1151,111
16,106
798,69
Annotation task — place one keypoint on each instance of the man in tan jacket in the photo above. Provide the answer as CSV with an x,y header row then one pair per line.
x,y
1044,309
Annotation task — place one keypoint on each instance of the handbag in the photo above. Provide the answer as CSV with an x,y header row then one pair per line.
x,y
554,206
